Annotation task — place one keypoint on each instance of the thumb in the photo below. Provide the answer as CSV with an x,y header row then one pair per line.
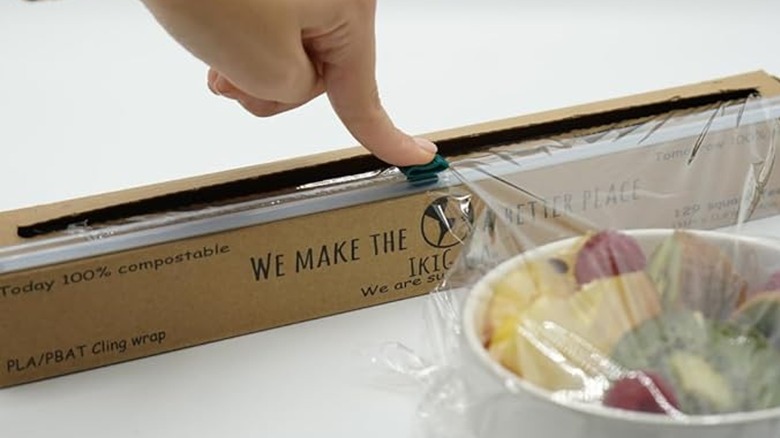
x,y
348,56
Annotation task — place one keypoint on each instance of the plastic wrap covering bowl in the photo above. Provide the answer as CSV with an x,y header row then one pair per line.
x,y
554,355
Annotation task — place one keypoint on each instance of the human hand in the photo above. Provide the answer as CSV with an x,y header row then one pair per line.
x,y
275,55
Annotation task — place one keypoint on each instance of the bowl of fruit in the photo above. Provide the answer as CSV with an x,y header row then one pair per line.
x,y
641,333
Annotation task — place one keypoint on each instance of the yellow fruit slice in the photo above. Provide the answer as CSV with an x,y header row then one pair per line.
x,y
548,347
541,327
609,308
512,295
503,344
515,292
544,363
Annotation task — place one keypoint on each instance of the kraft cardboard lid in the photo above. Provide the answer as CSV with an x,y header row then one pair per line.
x,y
19,226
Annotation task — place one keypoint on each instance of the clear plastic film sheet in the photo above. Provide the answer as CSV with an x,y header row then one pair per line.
x,y
613,283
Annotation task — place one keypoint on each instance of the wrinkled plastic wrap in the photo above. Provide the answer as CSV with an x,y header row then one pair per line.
x,y
619,282
79,239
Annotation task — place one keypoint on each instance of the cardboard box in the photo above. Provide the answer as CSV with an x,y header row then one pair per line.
x,y
248,250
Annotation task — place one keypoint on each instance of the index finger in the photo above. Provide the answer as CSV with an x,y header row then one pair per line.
x,y
348,55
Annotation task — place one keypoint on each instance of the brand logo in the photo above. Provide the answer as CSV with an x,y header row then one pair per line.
x,y
447,221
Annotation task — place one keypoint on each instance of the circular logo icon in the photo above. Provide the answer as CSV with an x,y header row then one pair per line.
x,y
447,221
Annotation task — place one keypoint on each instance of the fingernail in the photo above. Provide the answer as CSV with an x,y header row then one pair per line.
x,y
426,145
211,88
210,79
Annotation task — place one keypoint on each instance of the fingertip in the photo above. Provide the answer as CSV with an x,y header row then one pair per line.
x,y
421,151
426,145
407,152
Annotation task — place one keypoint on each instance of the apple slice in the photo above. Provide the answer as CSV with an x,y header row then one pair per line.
x,y
692,273
645,391
608,253
762,313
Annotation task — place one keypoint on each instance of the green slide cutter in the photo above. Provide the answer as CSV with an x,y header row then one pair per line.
x,y
425,173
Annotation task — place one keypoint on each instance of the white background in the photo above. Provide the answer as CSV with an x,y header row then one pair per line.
x,y
95,97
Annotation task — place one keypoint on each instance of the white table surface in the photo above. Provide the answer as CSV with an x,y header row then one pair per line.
x,y
95,97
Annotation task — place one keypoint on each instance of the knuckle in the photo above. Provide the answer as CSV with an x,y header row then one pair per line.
x,y
263,113
286,85
261,109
